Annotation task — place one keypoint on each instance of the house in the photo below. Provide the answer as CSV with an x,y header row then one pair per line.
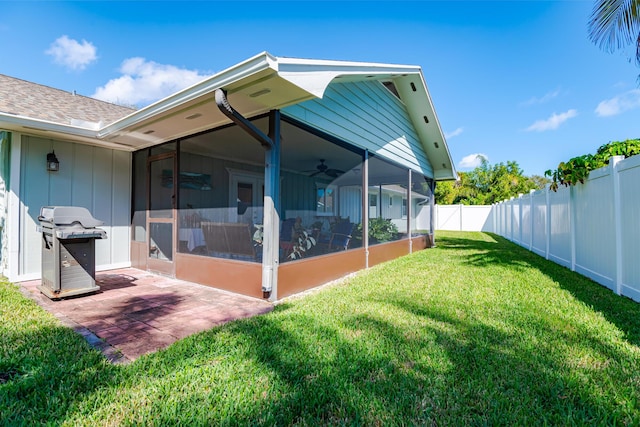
x,y
262,179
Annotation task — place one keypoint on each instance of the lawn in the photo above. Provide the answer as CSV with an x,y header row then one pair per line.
x,y
476,331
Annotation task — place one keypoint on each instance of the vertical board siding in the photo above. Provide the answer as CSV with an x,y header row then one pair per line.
x,y
630,209
351,203
594,228
98,179
366,115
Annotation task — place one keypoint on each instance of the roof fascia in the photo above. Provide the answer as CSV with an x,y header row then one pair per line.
x,y
16,122
315,75
257,63
454,174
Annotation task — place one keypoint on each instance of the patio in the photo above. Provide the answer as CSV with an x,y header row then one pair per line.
x,y
136,312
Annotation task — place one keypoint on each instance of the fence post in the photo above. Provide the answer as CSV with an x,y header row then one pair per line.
x,y
511,217
617,219
531,219
572,227
520,218
547,221
461,216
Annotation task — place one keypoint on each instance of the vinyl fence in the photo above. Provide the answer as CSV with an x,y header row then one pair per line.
x,y
591,228
464,218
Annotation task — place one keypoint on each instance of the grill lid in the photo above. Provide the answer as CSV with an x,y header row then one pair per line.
x,y
68,215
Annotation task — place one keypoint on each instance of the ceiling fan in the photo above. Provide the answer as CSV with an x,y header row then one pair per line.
x,y
323,168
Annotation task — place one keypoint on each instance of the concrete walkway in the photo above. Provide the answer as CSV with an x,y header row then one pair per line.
x,y
136,312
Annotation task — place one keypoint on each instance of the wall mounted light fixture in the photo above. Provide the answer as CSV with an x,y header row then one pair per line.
x,y
53,164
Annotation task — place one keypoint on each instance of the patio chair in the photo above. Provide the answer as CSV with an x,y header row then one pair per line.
x,y
286,236
229,240
339,238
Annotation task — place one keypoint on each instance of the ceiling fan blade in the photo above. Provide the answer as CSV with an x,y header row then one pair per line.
x,y
316,173
334,172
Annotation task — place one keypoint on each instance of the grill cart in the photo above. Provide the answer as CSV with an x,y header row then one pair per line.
x,y
68,250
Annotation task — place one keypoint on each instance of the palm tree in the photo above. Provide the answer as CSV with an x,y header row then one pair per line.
x,y
614,24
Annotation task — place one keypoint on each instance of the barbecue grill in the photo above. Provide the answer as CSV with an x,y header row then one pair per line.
x,y
68,251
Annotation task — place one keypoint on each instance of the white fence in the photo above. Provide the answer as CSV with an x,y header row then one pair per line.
x,y
464,218
592,228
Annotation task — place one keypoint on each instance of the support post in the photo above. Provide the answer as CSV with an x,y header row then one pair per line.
x,y
408,202
365,205
271,254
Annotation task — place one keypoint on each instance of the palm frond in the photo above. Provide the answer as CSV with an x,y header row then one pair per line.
x,y
615,24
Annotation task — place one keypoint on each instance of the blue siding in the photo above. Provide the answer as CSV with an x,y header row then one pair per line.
x,y
368,116
96,178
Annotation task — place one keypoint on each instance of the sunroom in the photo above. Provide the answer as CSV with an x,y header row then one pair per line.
x,y
274,203
276,175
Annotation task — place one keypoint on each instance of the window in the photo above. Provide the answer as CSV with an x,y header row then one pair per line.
x,y
325,201
404,208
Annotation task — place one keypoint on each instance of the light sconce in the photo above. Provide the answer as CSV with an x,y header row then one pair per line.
x,y
53,164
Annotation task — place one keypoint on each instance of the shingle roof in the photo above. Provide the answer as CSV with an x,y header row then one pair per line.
x,y
23,98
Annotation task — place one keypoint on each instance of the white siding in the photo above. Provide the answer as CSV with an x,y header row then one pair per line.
x,y
95,178
368,116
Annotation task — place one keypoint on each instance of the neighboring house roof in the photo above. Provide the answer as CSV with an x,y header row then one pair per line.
x,y
254,86
22,98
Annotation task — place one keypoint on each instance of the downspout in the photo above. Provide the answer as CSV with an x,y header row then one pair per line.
x,y
271,145
240,120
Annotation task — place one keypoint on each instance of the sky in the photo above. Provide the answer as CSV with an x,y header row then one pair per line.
x,y
510,80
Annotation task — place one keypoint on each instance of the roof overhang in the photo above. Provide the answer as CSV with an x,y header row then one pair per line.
x,y
255,86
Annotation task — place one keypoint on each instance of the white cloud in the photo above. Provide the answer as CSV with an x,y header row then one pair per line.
x,y
619,104
145,81
454,133
71,53
552,122
545,98
472,160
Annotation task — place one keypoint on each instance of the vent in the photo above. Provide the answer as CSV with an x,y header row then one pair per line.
x,y
392,88
193,116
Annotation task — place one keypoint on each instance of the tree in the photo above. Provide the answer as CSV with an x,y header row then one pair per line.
x,y
615,24
487,184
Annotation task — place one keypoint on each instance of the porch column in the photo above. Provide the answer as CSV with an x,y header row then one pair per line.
x,y
271,237
365,207
409,200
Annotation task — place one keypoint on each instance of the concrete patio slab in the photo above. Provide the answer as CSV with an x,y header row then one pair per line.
x,y
137,312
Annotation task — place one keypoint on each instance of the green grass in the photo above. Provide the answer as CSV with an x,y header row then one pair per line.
x,y
474,332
